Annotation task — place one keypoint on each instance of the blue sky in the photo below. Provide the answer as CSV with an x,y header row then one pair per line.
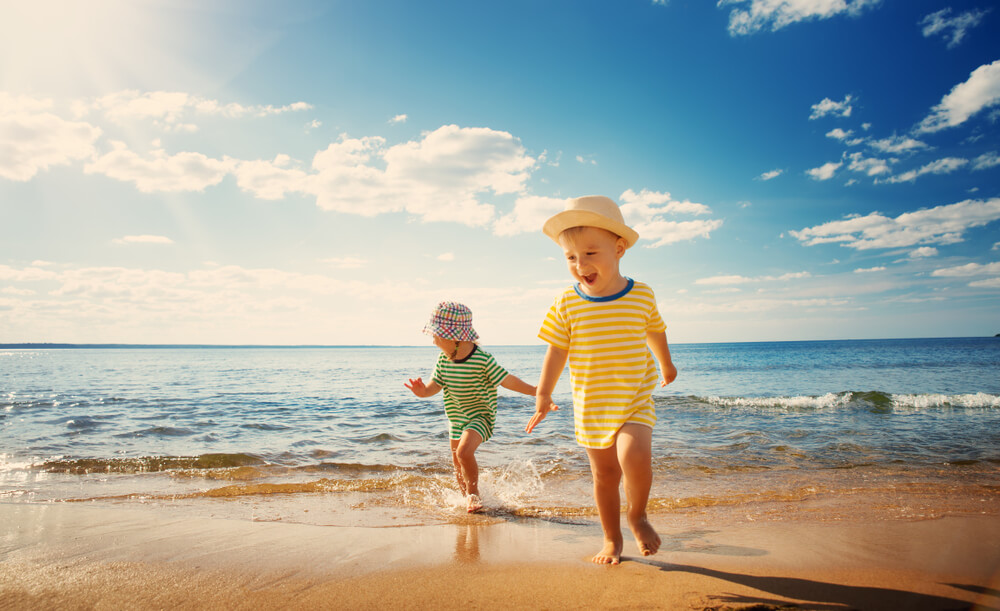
x,y
326,172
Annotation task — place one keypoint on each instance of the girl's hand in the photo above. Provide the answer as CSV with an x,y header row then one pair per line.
x,y
543,405
417,387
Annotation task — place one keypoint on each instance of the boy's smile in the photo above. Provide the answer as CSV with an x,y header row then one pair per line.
x,y
592,256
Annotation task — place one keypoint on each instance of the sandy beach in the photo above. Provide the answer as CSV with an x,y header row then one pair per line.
x,y
89,556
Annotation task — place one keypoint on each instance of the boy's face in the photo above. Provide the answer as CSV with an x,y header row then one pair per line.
x,y
592,256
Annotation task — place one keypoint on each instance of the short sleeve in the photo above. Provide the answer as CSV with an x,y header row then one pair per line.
x,y
436,376
494,372
655,323
553,329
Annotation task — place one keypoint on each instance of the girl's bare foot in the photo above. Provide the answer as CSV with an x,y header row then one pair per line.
x,y
611,553
475,504
645,536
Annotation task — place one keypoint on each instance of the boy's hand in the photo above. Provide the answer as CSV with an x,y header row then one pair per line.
x,y
669,374
543,405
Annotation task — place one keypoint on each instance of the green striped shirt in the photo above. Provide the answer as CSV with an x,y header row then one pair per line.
x,y
470,391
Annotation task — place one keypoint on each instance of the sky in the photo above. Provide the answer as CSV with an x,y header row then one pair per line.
x,y
298,172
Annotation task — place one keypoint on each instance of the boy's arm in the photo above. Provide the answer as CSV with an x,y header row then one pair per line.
x,y
423,390
555,361
657,341
512,382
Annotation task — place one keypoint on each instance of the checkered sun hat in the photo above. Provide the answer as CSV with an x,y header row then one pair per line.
x,y
452,320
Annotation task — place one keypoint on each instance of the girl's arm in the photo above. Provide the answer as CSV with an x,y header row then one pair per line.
x,y
512,382
657,341
423,390
555,361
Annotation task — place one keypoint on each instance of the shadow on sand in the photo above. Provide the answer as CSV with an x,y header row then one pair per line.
x,y
821,595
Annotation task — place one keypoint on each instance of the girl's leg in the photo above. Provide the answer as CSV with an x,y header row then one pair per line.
x,y
634,446
607,476
458,467
465,455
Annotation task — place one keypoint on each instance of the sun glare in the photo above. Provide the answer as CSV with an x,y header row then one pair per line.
x,y
74,46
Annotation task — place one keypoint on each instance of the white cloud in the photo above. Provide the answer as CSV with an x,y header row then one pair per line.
x,y
923,251
777,14
32,139
981,90
438,178
668,232
269,179
825,171
830,107
769,175
10,103
645,211
872,166
868,270
168,108
648,204
839,134
986,161
345,262
446,256
143,239
398,119
728,280
941,166
529,214
991,283
941,225
161,172
898,145
969,269
953,29
584,160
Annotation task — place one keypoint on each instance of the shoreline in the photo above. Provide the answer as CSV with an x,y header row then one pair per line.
x,y
127,556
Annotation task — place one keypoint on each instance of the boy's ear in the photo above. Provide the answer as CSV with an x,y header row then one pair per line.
x,y
620,247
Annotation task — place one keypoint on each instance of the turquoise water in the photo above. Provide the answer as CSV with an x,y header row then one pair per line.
x,y
158,423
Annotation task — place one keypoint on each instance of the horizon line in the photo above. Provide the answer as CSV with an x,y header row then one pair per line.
x,y
121,345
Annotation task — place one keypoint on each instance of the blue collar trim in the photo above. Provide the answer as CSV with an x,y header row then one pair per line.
x,y
628,287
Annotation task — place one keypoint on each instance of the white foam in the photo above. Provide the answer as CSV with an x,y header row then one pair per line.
x,y
828,400
979,399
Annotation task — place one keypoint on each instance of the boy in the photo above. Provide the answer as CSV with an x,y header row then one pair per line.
x,y
602,327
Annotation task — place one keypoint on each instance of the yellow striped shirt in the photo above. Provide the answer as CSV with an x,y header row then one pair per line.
x,y
612,371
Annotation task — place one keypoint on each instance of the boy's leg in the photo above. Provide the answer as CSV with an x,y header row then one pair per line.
x,y
465,455
607,476
635,455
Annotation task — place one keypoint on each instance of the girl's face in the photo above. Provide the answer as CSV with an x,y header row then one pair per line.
x,y
446,345
592,256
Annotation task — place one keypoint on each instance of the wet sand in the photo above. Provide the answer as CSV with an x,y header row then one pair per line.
x,y
76,556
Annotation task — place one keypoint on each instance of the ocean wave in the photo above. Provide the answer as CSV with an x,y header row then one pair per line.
x,y
147,464
868,400
977,400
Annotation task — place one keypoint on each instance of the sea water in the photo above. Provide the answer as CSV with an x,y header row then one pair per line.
x,y
329,435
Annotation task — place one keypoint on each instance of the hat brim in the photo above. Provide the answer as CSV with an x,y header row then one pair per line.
x,y
585,218
454,334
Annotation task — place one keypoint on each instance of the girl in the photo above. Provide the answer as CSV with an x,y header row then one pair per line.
x,y
469,377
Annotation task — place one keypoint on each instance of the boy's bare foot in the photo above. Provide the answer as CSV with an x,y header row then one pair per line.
x,y
611,553
645,537
475,504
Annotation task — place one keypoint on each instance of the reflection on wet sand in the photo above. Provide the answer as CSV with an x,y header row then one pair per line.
x,y
467,543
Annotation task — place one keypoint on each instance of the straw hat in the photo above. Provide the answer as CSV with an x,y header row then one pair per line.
x,y
591,211
452,320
